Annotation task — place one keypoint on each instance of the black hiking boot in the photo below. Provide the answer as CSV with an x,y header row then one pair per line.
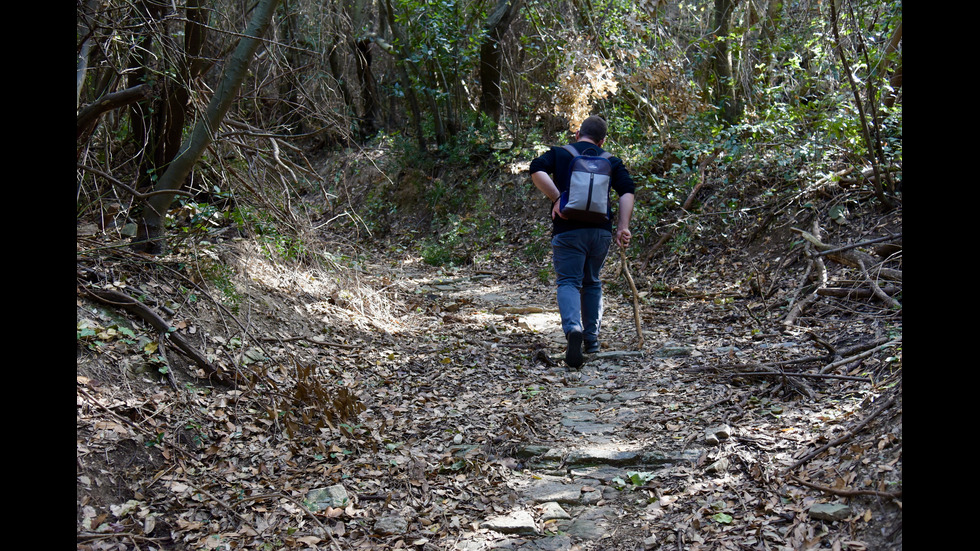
x,y
573,354
591,347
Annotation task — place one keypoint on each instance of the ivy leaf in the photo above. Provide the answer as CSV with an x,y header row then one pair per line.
x,y
722,518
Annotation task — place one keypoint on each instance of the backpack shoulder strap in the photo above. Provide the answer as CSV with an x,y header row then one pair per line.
x,y
571,149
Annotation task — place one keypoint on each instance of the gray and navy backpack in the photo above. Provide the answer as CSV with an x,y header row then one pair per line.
x,y
587,197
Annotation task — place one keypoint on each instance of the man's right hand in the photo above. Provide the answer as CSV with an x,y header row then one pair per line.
x,y
623,237
556,210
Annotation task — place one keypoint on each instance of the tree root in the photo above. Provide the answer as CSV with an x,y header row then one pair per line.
x,y
847,493
137,308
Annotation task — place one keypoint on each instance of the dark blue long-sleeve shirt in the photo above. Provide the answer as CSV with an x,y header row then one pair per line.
x,y
557,161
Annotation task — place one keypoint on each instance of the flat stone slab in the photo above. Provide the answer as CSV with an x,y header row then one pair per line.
x,y
586,422
630,395
544,491
592,524
579,392
558,542
829,511
520,522
603,455
573,416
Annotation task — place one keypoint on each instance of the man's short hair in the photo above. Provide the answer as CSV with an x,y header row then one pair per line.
x,y
593,127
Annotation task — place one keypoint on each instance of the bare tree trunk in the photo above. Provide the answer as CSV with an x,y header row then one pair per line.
x,y
865,129
143,114
361,13
895,82
490,56
150,236
725,96
370,108
84,33
401,66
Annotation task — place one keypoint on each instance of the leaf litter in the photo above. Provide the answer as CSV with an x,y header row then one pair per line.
x,y
418,393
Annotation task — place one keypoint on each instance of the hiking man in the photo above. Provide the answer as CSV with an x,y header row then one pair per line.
x,y
580,244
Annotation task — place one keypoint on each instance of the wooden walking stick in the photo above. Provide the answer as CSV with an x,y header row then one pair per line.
x,y
636,299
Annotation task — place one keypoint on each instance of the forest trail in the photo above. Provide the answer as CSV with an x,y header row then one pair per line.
x,y
636,446
437,403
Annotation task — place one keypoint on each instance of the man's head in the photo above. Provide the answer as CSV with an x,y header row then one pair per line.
x,y
593,128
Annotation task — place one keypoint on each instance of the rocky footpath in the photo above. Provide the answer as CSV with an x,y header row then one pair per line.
x,y
579,490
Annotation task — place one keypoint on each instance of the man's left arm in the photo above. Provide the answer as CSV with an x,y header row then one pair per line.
x,y
625,188
623,234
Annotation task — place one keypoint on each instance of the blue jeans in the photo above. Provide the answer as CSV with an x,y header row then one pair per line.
x,y
578,257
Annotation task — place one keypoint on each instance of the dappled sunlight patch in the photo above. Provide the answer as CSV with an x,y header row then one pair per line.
x,y
518,167
338,296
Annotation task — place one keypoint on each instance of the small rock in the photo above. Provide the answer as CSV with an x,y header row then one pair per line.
x,y
592,524
719,466
591,497
829,511
602,455
553,511
520,522
331,496
672,350
391,525
129,230
714,435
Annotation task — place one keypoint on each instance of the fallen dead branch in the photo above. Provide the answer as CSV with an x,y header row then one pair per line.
x,y
838,292
846,256
816,270
836,359
797,374
681,291
758,369
861,244
137,308
834,353
711,405
847,493
310,340
850,434
795,384
860,356
850,257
